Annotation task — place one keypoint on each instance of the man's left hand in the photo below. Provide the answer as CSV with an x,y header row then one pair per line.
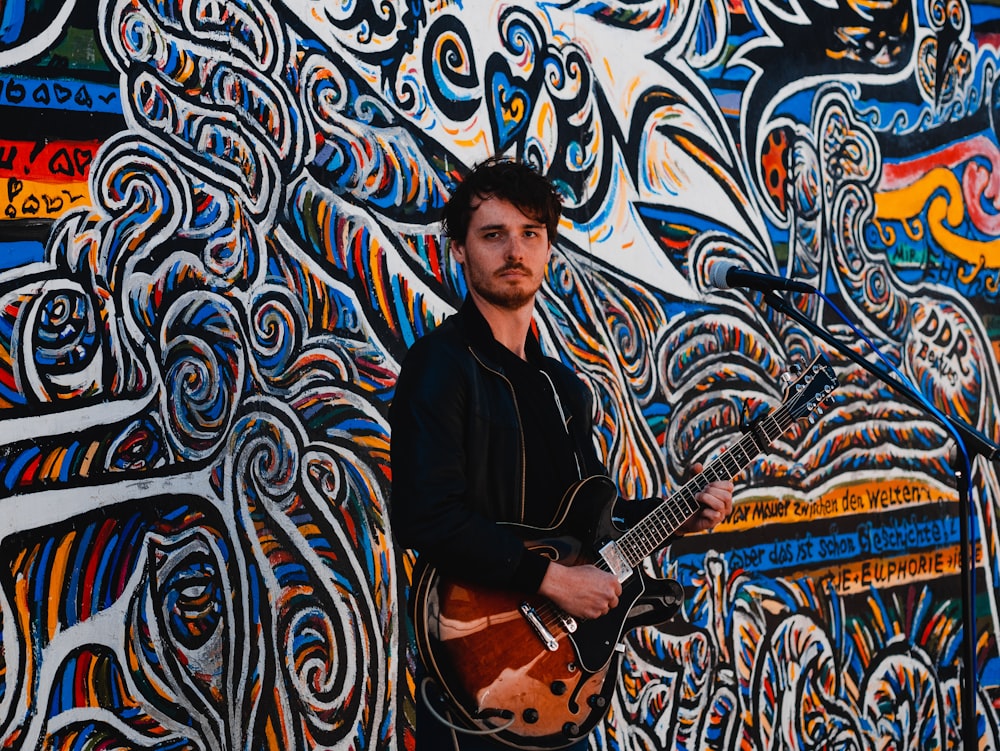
x,y
716,501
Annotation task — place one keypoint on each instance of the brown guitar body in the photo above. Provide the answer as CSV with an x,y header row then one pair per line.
x,y
496,668
501,672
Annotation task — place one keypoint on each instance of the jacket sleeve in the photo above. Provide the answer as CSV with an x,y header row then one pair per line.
x,y
429,508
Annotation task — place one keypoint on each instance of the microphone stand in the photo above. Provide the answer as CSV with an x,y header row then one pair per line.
x,y
973,442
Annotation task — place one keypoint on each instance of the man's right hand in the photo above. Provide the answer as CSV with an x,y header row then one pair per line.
x,y
581,591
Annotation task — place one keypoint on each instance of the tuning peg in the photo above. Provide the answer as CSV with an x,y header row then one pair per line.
x,y
793,372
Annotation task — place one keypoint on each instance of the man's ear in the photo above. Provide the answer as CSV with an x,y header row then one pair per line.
x,y
458,252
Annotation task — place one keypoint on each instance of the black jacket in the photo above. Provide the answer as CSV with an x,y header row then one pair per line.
x,y
458,453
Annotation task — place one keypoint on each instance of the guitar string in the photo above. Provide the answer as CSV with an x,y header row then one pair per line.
x,y
647,535
552,616
654,529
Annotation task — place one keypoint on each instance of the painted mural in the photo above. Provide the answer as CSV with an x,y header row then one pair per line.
x,y
218,238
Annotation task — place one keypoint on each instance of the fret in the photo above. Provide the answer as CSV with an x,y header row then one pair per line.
x,y
663,526
656,528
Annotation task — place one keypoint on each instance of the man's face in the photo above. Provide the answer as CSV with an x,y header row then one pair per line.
x,y
504,254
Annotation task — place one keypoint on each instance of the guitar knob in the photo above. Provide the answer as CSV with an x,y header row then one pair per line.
x,y
558,688
530,715
597,701
571,729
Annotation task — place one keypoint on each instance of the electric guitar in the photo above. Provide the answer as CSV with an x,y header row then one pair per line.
x,y
529,674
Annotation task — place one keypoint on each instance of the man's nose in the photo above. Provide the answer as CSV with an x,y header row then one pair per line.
x,y
515,247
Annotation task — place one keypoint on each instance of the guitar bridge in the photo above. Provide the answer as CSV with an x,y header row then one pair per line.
x,y
531,615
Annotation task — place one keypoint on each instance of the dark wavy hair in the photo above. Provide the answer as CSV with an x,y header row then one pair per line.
x,y
509,180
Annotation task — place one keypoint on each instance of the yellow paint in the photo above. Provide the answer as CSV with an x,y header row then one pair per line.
x,y
23,612
52,464
941,193
38,199
88,459
58,571
843,500
880,573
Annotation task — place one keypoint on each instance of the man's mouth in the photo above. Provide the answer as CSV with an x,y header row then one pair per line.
x,y
507,270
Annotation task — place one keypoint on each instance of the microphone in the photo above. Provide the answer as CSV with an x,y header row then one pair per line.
x,y
726,274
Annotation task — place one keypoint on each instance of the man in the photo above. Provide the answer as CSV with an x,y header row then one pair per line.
x,y
486,429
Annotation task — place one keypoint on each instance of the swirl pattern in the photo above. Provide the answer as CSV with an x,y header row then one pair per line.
x,y
221,236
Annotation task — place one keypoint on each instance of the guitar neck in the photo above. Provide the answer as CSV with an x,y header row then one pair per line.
x,y
653,530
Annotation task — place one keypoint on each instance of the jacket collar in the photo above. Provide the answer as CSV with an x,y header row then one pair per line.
x,y
478,333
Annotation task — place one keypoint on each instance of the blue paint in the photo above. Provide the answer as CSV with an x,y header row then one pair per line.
x,y
64,96
882,538
20,253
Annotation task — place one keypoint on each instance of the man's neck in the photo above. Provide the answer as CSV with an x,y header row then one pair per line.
x,y
509,327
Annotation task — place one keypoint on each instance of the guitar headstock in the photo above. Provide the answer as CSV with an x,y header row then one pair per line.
x,y
808,393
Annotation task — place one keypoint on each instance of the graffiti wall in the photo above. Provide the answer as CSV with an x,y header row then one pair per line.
x,y
219,237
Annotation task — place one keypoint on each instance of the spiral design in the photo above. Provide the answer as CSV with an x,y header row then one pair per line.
x,y
521,35
202,360
631,321
277,327
303,524
942,13
354,155
877,288
148,196
323,657
216,85
63,339
137,37
265,462
449,62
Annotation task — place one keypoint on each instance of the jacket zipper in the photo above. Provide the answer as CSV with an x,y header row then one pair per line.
x,y
565,423
520,426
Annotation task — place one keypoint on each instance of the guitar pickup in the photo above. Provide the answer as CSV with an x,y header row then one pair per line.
x,y
615,561
531,615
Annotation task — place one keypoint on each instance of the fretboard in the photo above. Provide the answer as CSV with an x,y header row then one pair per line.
x,y
650,533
